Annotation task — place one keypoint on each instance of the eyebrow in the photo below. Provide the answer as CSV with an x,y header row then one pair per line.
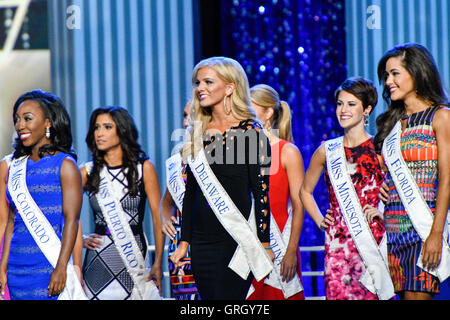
x,y
349,101
205,78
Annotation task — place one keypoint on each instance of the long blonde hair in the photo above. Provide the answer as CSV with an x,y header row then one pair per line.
x,y
267,97
231,72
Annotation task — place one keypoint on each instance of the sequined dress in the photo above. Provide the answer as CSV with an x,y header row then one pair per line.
x,y
29,270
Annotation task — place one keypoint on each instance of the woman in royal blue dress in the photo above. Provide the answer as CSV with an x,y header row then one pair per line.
x,y
54,183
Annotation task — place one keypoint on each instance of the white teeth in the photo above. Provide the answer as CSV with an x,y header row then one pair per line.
x,y
25,136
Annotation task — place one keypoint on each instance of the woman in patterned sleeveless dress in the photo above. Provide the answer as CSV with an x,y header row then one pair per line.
x,y
182,283
286,177
414,94
355,99
112,139
54,183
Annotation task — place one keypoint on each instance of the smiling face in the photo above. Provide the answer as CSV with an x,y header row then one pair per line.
x,y
105,133
30,124
210,88
399,80
349,110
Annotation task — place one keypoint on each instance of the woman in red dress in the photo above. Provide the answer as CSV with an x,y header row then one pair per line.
x,y
286,177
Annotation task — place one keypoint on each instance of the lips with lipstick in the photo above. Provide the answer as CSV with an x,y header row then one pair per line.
x,y
202,96
345,117
24,136
392,89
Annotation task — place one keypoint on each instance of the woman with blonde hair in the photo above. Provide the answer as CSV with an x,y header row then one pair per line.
x,y
227,185
286,177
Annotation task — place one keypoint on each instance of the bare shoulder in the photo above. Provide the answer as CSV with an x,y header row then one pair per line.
x,y
290,150
148,166
149,170
69,167
441,118
3,167
320,152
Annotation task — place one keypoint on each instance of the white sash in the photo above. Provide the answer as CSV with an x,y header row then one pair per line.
x,y
39,227
412,199
278,242
250,254
124,239
174,179
376,277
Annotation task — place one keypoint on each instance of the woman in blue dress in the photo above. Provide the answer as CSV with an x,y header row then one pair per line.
x,y
54,182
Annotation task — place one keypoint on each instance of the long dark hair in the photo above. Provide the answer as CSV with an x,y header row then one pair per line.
x,y
132,151
60,130
418,61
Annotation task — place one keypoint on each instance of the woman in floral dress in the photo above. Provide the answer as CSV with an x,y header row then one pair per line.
x,y
355,99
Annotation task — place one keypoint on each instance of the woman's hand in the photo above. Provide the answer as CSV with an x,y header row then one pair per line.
x,y
168,228
156,275
3,281
432,250
288,266
57,281
372,213
92,242
268,250
178,255
384,192
327,221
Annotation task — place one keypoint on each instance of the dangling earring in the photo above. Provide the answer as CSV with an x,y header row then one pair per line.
x,y
366,119
227,112
47,132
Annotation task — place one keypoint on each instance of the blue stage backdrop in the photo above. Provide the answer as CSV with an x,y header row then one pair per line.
x,y
297,47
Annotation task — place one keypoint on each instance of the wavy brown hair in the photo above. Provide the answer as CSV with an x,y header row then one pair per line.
x,y
418,61
132,151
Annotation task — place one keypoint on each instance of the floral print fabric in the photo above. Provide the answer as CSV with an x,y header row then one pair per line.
x,y
343,264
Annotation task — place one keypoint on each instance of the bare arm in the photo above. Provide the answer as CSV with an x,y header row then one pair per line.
x,y
312,176
5,254
92,241
167,209
4,208
292,162
433,244
153,191
71,197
